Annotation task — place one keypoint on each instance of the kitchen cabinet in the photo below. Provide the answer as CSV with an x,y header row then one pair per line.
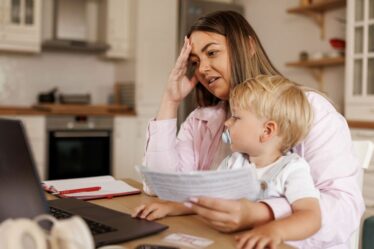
x,y
368,190
125,144
119,28
316,11
36,134
20,25
359,85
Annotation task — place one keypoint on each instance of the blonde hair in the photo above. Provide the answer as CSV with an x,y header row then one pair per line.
x,y
280,100
246,55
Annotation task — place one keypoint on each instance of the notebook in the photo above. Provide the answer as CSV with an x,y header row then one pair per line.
x,y
21,194
89,188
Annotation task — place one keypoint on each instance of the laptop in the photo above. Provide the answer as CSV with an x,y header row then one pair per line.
x,y
21,194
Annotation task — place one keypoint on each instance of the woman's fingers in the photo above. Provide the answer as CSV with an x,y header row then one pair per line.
x,y
262,243
206,212
183,56
214,203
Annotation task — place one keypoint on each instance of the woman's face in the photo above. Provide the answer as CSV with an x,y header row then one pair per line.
x,y
210,56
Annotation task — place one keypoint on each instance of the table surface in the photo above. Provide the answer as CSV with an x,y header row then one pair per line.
x,y
188,224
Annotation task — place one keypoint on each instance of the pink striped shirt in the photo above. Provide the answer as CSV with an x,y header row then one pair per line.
x,y
327,149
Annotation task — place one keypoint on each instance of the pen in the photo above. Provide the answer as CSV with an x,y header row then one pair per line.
x,y
78,190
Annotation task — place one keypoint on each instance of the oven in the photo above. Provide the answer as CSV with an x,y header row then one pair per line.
x,y
79,146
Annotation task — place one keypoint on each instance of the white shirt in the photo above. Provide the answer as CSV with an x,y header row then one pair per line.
x,y
293,181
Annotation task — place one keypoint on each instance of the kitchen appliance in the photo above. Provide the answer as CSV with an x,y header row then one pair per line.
x,y
79,146
190,11
74,26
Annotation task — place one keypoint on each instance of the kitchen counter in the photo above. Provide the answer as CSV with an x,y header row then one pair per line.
x,y
57,109
361,124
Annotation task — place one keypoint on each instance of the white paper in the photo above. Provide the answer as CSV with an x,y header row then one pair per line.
x,y
108,187
75,183
188,240
226,184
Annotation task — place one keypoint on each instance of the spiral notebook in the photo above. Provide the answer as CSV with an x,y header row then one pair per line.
x,y
88,188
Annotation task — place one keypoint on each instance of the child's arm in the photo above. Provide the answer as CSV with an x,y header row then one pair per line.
x,y
160,209
304,221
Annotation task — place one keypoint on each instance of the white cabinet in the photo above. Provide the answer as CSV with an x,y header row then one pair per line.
x,y
125,147
359,92
36,134
20,25
119,28
368,190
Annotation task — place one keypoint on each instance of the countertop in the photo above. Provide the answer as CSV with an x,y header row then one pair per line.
x,y
361,124
59,109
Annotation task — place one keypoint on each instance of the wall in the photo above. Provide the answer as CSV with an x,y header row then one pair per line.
x,y
284,35
22,77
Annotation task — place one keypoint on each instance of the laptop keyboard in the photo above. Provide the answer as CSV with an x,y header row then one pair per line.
x,y
95,227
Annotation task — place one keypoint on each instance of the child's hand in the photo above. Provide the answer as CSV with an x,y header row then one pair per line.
x,y
266,236
160,209
153,211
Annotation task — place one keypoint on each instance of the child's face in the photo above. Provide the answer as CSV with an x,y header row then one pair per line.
x,y
210,56
246,130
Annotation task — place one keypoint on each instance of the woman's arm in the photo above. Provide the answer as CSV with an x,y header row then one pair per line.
x,y
303,223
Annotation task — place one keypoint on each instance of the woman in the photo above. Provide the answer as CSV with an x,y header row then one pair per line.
x,y
225,51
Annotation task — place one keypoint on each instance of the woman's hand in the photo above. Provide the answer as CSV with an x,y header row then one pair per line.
x,y
159,209
266,236
179,86
230,215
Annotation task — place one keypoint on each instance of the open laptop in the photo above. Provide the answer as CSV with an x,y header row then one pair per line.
x,y
21,194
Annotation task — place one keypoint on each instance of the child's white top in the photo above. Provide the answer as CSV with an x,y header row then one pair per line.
x,y
293,181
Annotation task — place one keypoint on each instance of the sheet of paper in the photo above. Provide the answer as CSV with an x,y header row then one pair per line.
x,y
109,188
85,182
226,184
182,239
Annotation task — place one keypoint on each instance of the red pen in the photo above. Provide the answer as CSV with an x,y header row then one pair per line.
x,y
78,190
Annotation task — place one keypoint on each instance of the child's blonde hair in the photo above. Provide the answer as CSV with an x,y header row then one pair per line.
x,y
280,100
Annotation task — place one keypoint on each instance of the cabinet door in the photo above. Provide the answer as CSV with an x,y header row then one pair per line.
x,y
368,190
120,25
360,58
124,144
36,135
21,25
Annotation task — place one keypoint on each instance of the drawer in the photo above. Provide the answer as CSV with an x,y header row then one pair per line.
x,y
359,112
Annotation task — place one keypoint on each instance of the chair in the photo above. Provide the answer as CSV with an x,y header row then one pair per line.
x,y
364,151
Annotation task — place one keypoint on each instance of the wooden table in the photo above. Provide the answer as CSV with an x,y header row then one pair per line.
x,y
190,224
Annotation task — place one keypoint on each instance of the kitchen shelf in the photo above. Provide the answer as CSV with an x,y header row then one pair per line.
x,y
317,10
317,66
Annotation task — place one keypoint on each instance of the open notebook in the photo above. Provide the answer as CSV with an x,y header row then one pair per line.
x,y
88,188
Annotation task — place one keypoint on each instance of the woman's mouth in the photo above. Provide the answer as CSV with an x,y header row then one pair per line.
x,y
212,80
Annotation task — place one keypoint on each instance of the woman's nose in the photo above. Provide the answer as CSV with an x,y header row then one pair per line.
x,y
204,66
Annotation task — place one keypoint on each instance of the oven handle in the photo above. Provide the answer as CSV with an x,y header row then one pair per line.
x,y
81,134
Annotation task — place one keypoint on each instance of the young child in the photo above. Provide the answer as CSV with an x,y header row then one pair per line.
x,y
270,115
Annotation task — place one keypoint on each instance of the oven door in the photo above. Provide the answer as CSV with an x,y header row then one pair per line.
x,y
79,153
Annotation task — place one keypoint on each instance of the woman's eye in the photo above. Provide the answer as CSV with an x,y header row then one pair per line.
x,y
194,63
212,53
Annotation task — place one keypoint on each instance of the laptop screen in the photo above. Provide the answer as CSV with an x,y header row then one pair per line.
x,y
20,191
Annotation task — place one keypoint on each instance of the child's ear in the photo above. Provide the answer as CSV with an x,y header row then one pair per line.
x,y
270,129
